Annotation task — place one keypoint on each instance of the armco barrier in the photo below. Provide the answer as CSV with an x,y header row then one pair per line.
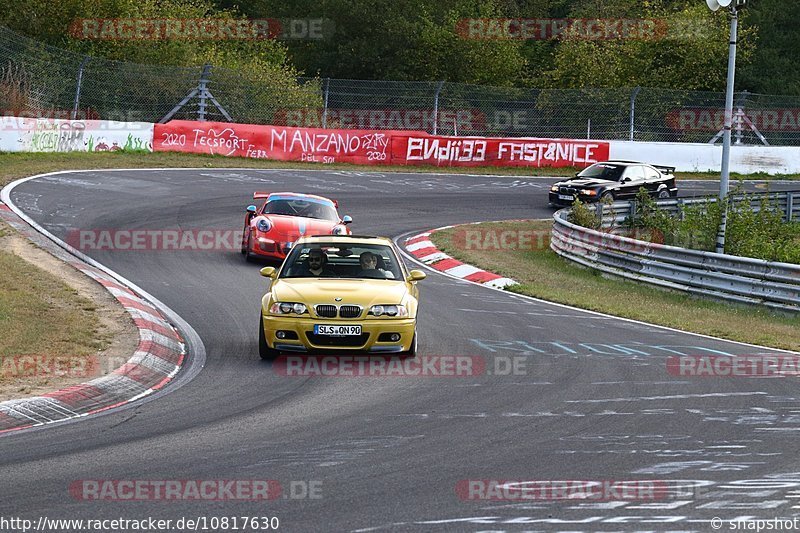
x,y
371,147
24,134
481,151
378,147
273,142
739,279
704,157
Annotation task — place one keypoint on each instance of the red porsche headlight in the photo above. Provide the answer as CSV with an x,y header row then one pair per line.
x,y
263,225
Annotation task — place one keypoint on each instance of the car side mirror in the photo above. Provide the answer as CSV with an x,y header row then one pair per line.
x,y
268,272
626,179
416,275
252,209
347,219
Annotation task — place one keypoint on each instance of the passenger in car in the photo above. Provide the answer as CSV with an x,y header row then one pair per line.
x,y
370,266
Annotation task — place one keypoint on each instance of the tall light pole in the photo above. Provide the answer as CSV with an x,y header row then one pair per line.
x,y
724,179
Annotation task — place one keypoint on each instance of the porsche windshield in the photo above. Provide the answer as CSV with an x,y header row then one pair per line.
x,y
602,171
301,208
342,260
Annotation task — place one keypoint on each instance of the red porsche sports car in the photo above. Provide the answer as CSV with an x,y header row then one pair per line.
x,y
286,216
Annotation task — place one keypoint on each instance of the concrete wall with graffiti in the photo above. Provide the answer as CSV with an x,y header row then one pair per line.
x,y
693,157
374,147
22,134
382,147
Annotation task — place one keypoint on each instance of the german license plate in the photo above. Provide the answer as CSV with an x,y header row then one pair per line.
x,y
565,197
336,330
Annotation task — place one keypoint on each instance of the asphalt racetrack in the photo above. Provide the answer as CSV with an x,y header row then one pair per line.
x,y
590,400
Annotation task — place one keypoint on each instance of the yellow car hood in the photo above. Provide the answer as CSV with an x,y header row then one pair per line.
x,y
364,292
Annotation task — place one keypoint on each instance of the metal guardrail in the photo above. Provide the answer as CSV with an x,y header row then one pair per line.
x,y
739,279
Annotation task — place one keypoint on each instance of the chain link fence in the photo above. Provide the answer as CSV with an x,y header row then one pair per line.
x,y
40,80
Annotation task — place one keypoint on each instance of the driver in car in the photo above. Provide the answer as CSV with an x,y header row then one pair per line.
x,y
317,264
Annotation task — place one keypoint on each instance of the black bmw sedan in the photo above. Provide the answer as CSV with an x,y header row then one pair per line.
x,y
615,180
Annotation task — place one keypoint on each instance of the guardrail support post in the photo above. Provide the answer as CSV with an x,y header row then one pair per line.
x,y
202,89
78,87
436,106
325,103
789,206
633,107
204,94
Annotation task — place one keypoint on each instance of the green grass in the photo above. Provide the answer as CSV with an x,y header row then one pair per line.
x,y
41,315
543,274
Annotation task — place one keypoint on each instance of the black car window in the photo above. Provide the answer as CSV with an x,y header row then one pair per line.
x,y
651,174
634,172
301,208
602,171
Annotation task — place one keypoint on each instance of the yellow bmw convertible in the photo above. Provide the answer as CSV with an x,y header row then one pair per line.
x,y
337,293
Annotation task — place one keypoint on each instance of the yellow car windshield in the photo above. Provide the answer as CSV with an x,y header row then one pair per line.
x,y
334,260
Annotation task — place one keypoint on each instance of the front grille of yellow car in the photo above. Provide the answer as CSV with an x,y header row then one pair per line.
x,y
344,311
326,311
350,311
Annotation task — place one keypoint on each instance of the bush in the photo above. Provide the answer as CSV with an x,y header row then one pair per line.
x,y
585,216
15,89
757,232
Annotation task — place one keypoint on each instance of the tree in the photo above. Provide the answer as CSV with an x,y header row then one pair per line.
x,y
412,40
775,68
684,47
252,74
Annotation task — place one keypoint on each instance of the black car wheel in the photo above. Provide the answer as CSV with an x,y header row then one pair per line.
x,y
264,350
663,194
607,196
247,255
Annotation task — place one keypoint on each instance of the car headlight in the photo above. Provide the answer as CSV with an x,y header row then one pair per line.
x,y
590,192
263,225
339,230
287,308
554,188
388,310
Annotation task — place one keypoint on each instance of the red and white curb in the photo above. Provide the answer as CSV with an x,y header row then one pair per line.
x,y
421,247
158,358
